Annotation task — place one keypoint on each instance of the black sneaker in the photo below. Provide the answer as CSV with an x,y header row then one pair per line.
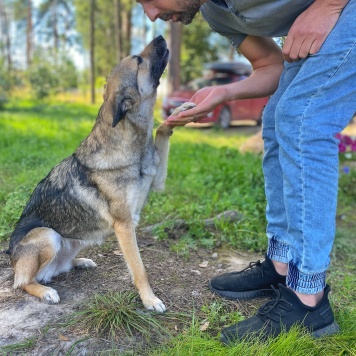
x,y
255,281
280,314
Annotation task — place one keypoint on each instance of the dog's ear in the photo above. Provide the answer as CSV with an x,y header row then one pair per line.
x,y
122,106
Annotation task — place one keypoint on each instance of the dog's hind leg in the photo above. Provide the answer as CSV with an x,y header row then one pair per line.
x,y
46,294
32,259
126,236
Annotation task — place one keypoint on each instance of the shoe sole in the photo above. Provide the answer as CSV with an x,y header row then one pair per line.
x,y
253,294
331,329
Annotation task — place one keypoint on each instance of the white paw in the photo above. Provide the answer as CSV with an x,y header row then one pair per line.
x,y
84,263
51,296
155,304
183,107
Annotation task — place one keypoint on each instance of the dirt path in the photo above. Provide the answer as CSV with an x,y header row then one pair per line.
x,y
180,283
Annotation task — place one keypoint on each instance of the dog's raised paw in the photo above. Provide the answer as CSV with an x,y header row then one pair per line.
x,y
186,106
50,296
83,263
155,304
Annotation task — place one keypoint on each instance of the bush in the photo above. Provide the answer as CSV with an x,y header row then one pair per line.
x,y
47,77
67,74
6,84
43,78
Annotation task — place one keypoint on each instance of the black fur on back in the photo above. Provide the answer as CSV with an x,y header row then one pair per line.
x,y
54,204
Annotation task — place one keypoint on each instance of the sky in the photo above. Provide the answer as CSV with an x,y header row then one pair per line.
x,y
80,58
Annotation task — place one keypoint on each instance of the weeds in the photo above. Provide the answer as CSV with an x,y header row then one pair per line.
x,y
19,347
117,314
219,314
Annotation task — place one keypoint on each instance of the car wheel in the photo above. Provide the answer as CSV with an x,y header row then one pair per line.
x,y
225,118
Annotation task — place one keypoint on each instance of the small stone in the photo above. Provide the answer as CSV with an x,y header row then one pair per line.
x,y
196,272
204,264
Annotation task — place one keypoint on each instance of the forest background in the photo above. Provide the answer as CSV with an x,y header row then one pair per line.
x,y
51,46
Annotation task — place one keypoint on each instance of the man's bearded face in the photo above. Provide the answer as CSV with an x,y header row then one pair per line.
x,y
188,9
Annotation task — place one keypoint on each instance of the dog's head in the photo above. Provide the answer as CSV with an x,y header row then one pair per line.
x,y
135,80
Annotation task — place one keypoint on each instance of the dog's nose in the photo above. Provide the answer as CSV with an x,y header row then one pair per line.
x,y
159,45
159,39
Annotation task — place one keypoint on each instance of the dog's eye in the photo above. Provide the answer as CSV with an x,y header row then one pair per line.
x,y
139,59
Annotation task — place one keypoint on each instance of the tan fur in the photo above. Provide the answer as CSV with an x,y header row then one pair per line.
x,y
102,187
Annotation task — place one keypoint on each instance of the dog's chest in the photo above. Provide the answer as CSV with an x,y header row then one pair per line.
x,y
149,162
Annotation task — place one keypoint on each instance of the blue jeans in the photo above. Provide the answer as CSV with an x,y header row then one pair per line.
x,y
315,100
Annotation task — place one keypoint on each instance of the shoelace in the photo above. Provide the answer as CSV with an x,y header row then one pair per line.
x,y
274,309
254,269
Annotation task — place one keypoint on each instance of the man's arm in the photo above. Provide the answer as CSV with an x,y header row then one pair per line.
x,y
267,62
311,28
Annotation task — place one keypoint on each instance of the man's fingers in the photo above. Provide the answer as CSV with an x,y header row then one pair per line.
x,y
304,50
291,53
179,120
173,121
186,113
300,49
315,47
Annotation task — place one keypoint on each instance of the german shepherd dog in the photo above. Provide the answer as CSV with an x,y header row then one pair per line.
x,y
101,188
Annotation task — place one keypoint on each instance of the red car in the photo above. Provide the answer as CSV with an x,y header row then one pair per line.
x,y
226,114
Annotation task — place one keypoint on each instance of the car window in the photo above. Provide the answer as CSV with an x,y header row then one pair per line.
x,y
197,84
221,81
216,78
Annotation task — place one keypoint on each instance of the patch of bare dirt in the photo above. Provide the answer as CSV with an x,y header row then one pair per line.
x,y
181,283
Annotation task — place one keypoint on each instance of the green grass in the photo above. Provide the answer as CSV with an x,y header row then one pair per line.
x,y
206,179
296,342
207,175
18,348
116,315
33,138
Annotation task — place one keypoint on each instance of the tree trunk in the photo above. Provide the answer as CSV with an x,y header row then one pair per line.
x,y
126,26
129,28
118,32
29,34
55,26
5,28
175,41
92,48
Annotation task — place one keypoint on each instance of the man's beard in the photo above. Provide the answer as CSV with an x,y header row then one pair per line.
x,y
189,9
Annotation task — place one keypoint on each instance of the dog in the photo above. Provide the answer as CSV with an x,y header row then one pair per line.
x,y
101,188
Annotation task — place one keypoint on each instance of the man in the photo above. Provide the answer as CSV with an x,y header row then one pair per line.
x,y
312,83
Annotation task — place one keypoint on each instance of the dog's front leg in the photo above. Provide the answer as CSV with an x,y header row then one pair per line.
x,y
162,149
125,233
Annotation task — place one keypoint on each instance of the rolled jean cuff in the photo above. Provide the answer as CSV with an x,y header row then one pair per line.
x,y
277,250
306,283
